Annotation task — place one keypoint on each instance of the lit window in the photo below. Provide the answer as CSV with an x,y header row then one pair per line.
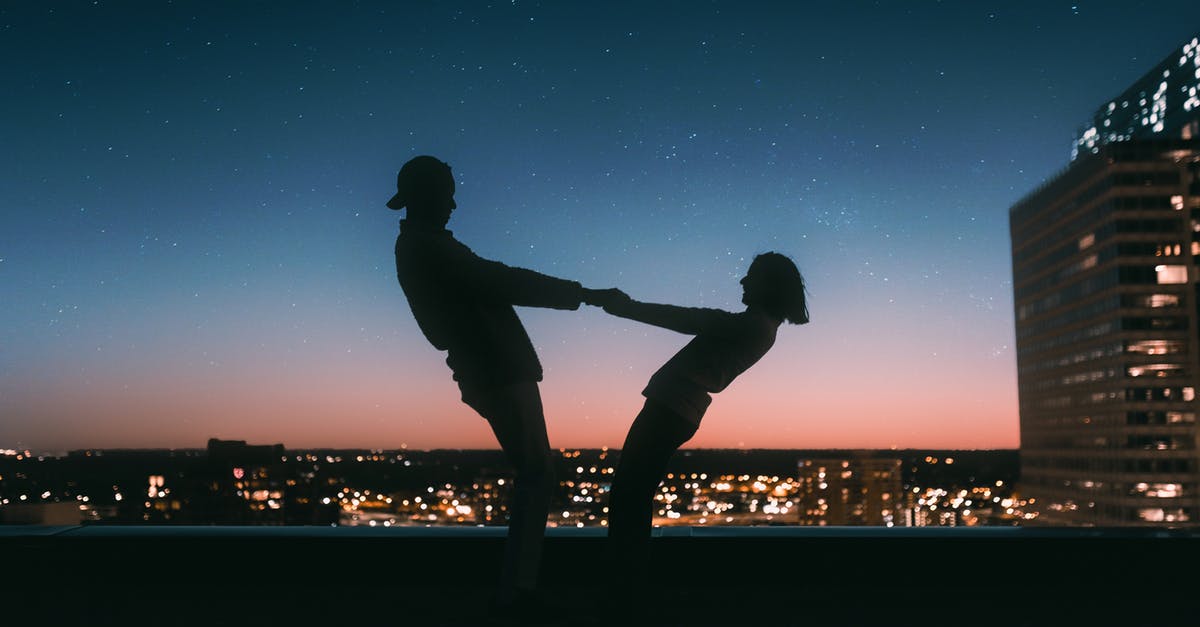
x,y
1164,300
1162,490
1168,275
1180,417
1156,370
1152,514
1154,347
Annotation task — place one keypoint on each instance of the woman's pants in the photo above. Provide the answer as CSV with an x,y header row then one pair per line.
x,y
655,435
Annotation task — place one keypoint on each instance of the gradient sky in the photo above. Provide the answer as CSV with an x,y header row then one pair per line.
x,y
193,240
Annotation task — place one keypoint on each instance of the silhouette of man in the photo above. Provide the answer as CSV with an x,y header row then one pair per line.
x,y
464,306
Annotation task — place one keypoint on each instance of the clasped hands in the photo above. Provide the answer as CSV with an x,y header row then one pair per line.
x,y
605,298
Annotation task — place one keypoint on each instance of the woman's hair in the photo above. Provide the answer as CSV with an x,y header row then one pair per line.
x,y
784,295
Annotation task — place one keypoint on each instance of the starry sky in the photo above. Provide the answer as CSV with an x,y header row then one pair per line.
x,y
194,243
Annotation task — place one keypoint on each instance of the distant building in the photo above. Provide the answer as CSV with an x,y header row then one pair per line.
x,y
854,491
1106,295
164,503
245,483
1161,104
61,513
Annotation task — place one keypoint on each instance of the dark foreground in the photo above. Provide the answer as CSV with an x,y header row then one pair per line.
x,y
102,575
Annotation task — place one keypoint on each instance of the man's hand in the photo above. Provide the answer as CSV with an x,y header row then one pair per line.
x,y
605,298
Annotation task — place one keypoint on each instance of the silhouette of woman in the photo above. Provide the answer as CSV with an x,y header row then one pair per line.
x,y
726,344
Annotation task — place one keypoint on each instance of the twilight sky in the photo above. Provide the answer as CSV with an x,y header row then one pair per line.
x,y
194,243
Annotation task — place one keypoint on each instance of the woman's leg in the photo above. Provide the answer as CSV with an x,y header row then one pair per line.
x,y
653,438
515,415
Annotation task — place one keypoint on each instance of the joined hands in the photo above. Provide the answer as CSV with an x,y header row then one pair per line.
x,y
605,298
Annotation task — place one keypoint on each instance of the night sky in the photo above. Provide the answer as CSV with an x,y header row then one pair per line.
x,y
194,243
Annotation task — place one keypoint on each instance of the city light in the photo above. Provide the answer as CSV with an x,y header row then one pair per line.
x,y
305,484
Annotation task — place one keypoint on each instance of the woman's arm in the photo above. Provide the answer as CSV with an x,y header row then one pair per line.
x,y
689,320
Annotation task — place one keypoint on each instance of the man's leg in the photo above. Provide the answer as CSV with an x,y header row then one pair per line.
x,y
515,415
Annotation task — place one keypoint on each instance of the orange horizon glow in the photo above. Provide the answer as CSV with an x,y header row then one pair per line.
x,y
812,390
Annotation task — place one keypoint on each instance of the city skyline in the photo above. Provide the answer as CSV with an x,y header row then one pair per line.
x,y
232,482
194,242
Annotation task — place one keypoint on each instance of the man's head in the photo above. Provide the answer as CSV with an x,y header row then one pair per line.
x,y
425,185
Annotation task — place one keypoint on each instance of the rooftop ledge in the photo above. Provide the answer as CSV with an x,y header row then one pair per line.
x,y
116,574
9,532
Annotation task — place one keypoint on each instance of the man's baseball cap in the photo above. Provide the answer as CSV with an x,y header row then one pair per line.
x,y
417,171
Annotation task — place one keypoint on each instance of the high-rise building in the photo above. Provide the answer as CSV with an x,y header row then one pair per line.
x,y
1162,104
1106,293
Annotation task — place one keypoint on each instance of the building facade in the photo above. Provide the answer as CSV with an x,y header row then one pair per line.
x,y
1105,289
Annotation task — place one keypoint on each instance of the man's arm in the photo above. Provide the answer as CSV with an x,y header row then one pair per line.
x,y
498,282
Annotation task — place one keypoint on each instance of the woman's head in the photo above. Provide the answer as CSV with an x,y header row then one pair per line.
x,y
774,284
